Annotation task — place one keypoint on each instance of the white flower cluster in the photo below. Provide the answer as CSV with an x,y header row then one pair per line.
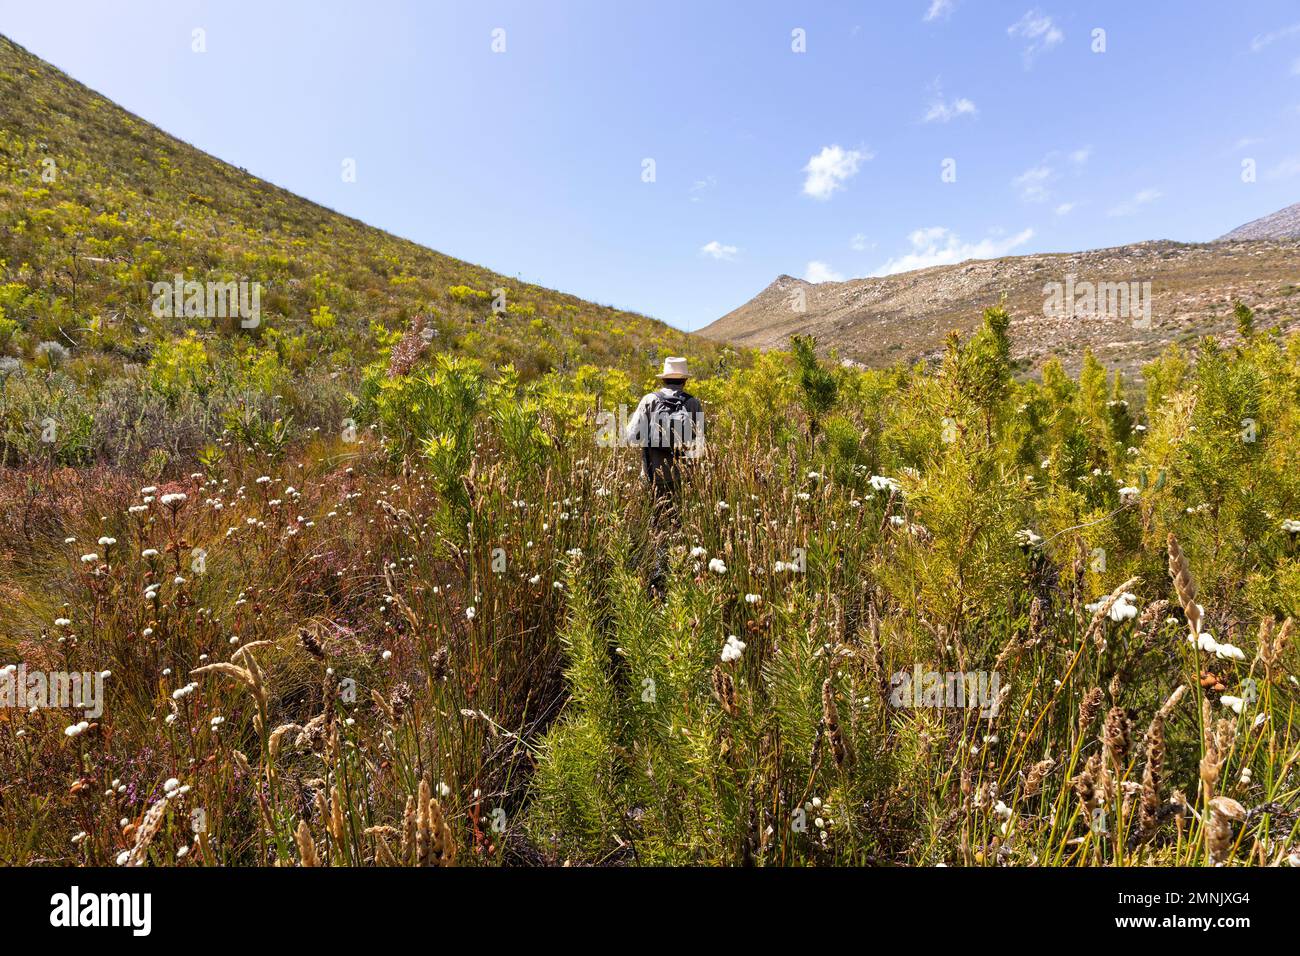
x,y
733,649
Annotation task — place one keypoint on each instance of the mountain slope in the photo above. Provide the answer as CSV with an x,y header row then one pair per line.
x,y
97,204
878,321
1283,224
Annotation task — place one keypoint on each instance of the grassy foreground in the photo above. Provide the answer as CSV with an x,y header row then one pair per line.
x,y
429,640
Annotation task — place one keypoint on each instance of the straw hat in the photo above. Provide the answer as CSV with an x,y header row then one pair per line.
x,y
674,368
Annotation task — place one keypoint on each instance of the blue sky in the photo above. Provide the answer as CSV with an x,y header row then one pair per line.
x,y
823,163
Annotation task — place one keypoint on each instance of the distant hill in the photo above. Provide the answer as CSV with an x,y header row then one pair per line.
x,y
905,317
1283,224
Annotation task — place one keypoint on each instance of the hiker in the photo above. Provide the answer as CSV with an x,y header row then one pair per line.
x,y
668,425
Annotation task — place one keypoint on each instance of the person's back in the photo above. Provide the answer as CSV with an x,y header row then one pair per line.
x,y
668,424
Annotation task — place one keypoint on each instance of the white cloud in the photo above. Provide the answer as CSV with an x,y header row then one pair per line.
x,y
1295,67
1036,183
942,112
860,243
1130,206
821,272
1042,34
939,246
1266,39
939,10
702,186
716,250
830,169
1284,170
1065,208
1033,183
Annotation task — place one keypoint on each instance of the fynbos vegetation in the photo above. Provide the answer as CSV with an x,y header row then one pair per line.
x,y
360,583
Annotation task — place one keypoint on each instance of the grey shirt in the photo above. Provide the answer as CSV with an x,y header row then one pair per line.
x,y
655,458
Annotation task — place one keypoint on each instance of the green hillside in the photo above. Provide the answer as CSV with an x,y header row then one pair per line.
x,y
96,205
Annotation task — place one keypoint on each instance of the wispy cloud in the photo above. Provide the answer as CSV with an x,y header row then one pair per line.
x,y
716,250
1033,183
860,243
938,246
1268,39
1284,170
1129,206
821,272
830,169
941,112
702,186
1039,30
1065,208
939,10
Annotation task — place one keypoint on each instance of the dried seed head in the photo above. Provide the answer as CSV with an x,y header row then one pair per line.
x,y
1184,585
1218,832
307,855
724,690
1088,709
1034,781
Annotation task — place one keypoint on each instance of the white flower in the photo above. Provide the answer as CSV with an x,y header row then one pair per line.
x,y
149,553
89,558
804,496
76,729
149,490
1229,652
1123,609
170,784
1235,703
1026,538
717,566
897,520
107,542
732,650
752,598
61,622
470,612
698,552
1291,525
1129,493
175,498
881,483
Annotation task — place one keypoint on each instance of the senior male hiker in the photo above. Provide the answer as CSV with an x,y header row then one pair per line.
x,y
668,426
